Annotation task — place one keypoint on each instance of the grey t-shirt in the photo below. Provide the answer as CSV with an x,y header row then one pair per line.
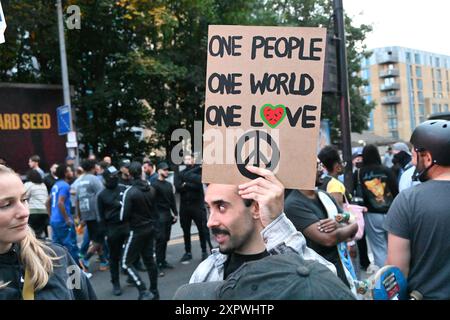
x,y
422,215
87,189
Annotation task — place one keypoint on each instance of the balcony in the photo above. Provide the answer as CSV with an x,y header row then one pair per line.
x,y
389,73
392,86
387,58
390,100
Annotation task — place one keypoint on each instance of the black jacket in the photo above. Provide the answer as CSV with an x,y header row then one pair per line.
x,y
189,184
65,272
139,205
109,202
165,200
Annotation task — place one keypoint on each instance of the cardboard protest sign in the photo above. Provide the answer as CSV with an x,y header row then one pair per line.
x,y
263,98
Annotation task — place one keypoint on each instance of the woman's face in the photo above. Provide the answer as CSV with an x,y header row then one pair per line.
x,y
13,210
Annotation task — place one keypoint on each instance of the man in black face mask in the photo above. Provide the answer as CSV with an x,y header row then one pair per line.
x,y
419,219
109,203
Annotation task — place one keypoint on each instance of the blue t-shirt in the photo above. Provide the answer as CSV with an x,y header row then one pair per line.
x,y
59,189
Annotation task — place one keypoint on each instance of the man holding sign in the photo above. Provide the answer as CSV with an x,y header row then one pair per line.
x,y
258,78
248,223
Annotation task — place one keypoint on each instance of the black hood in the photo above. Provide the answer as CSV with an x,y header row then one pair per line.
x,y
141,184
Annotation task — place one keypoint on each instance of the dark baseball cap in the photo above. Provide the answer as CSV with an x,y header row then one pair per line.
x,y
276,277
162,165
125,163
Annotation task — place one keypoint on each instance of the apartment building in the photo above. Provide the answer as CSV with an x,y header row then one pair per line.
x,y
407,86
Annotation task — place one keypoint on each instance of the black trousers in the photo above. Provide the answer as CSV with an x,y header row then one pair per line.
x,y
39,222
363,254
165,227
140,242
196,212
117,234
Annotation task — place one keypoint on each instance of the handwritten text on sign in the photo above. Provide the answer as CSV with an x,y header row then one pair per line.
x,y
263,96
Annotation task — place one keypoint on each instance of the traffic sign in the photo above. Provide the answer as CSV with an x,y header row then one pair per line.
x,y
63,115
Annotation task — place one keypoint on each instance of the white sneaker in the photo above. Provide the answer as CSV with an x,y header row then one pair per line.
x,y
87,274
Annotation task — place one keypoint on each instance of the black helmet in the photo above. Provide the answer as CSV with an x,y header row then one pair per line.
x,y
433,136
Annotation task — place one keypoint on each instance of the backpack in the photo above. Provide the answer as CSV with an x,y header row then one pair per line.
x,y
377,194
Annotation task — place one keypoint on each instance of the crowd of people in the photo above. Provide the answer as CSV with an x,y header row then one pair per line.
x,y
396,214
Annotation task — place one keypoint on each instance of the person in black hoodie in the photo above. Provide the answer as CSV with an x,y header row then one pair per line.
x,y
139,211
31,269
192,207
109,202
379,188
168,214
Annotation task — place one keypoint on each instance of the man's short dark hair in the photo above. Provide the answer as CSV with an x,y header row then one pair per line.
x,y
329,156
34,176
88,165
135,169
103,164
61,170
35,158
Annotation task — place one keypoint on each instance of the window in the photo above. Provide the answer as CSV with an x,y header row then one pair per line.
x,y
394,134
439,86
419,84
391,93
388,81
438,62
417,58
390,66
420,96
434,86
408,57
411,82
391,111
438,74
448,87
445,108
435,108
421,109
419,72
392,123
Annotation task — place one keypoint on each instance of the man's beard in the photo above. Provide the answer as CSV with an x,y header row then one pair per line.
x,y
217,231
421,173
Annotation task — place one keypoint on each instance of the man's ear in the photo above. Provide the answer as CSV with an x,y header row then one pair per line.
x,y
254,208
428,158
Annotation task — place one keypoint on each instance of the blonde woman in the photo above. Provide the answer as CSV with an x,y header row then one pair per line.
x,y
31,269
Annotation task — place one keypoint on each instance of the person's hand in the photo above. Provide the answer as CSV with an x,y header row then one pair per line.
x,y
328,225
174,219
267,191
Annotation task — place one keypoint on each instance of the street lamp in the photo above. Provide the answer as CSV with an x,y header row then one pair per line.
x,y
72,150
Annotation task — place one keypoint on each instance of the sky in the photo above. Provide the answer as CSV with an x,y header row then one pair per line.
x,y
416,24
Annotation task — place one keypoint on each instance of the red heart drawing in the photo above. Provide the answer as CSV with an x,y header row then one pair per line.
x,y
273,115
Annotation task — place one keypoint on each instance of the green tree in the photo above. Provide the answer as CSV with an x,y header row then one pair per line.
x,y
143,63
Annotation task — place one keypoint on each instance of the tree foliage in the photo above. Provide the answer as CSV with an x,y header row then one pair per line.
x,y
143,63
